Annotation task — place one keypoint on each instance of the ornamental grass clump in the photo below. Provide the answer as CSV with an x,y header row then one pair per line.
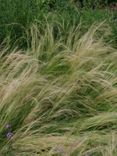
x,y
60,94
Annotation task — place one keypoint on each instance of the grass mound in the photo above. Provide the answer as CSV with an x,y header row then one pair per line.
x,y
59,96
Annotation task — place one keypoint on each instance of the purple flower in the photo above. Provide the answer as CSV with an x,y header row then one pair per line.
x,y
9,135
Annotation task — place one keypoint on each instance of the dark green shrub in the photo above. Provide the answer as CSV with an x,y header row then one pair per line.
x,y
95,3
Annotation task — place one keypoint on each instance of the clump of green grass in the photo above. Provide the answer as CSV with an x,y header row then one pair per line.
x,y
59,95
17,17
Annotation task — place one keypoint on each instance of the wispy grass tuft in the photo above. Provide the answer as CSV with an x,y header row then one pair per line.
x,y
59,96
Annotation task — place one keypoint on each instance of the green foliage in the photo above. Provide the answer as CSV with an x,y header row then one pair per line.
x,y
96,3
15,17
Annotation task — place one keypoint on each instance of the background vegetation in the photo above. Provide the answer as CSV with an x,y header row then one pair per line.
x,y
16,17
58,78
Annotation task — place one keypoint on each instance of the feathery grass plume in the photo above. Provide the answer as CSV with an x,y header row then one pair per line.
x,y
60,95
